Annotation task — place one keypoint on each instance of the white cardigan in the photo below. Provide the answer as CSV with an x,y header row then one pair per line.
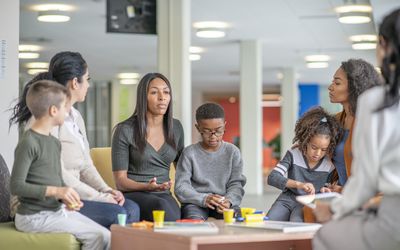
x,y
376,154
78,170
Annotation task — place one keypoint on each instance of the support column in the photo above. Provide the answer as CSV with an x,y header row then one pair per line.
x,y
251,114
9,40
289,108
173,28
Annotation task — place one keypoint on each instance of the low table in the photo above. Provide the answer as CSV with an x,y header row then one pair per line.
x,y
228,238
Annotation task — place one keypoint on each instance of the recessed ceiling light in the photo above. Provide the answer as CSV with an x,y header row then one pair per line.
x,y
29,47
317,58
211,24
210,33
128,81
52,6
36,71
37,65
364,45
365,37
128,75
194,57
194,49
53,16
28,55
354,13
317,65
354,8
355,17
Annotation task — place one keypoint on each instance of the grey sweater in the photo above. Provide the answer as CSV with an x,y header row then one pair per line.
x,y
200,173
142,167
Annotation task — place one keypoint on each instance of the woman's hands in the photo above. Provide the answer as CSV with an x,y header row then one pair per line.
x,y
117,196
153,186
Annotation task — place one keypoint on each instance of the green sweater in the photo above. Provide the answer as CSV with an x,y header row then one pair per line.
x,y
37,165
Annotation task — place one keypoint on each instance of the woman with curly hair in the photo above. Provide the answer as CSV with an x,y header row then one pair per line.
x,y
353,77
307,164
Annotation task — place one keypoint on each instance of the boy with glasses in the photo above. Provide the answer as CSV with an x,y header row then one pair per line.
x,y
209,174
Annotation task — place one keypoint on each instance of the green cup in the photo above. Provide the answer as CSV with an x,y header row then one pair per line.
x,y
122,219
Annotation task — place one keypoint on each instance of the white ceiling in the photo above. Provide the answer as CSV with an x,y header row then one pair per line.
x,y
288,29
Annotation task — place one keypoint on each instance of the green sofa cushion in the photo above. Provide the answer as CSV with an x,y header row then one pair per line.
x,y
10,238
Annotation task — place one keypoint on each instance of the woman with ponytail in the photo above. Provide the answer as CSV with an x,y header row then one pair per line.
x,y
376,162
101,203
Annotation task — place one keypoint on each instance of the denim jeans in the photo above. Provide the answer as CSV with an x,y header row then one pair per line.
x,y
106,214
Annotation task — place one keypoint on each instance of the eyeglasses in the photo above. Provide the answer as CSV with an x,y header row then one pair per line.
x,y
209,133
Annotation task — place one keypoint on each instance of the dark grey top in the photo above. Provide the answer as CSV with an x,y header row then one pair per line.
x,y
295,166
150,163
37,165
200,173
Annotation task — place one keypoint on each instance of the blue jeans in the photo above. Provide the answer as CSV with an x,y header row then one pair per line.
x,y
106,214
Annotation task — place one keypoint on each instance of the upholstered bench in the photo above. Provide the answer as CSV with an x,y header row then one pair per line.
x,y
11,239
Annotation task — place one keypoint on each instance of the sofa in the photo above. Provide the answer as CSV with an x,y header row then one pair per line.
x,y
10,238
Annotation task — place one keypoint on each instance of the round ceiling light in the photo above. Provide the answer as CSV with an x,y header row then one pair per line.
x,y
128,81
194,57
128,75
317,65
53,16
28,55
36,71
210,33
364,45
317,58
354,13
37,65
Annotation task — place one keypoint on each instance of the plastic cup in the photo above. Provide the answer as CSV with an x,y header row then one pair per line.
x,y
122,219
158,217
228,215
247,210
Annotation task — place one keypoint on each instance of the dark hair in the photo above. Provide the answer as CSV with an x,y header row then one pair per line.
x,y
139,119
317,121
210,111
43,94
64,66
361,76
389,30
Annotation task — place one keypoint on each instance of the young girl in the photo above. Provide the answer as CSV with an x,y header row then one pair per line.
x,y
307,164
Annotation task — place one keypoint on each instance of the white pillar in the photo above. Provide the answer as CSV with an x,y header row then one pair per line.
x,y
9,40
289,108
251,114
173,28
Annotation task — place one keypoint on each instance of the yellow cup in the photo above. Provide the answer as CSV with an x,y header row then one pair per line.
x,y
228,215
247,210
158,217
